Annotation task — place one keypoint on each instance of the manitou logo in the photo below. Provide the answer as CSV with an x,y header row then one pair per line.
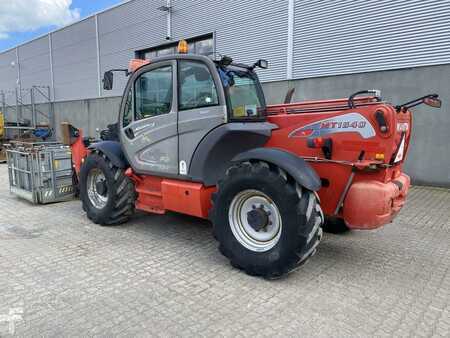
x,y
352,122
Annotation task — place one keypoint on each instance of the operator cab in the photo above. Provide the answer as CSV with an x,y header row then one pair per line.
x,y
243,92
173,104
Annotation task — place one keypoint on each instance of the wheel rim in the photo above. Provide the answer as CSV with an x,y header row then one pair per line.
x,y
97,189
255,220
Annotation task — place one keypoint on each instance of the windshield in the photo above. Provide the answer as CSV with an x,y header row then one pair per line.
x,y
243,92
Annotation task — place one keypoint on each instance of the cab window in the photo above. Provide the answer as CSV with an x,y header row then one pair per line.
x,y
196,86
243,94
153,93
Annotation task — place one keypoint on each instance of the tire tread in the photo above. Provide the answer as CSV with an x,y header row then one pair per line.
x,y
124,196
274,175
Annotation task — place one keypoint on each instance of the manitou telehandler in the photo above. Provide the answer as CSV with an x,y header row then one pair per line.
x,y
195,136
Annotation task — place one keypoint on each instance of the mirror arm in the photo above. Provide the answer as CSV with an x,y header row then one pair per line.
x,y
253,66
414,102
121,70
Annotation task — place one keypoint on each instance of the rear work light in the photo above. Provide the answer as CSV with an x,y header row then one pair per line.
x,y
317,142
326,144
379,157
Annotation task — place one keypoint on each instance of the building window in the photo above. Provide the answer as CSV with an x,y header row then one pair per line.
x,y
201,45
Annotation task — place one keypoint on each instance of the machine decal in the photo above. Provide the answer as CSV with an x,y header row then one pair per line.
x,y
183,168
400,151
351,122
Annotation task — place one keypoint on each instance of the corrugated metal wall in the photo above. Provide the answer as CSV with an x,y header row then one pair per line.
x,y
245,30
34,60
350,36
74,51
8,74
237,24
134,25
329,38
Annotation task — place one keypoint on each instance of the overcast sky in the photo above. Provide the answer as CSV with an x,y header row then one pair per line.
x,y
22,20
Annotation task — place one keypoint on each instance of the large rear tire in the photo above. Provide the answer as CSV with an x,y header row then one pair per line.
x,y
107,194
266,224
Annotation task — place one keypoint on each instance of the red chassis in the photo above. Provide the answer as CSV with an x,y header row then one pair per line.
x,y
362,182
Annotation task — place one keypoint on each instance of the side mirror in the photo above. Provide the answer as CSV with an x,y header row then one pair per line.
x,y
264,64
433,102
108,80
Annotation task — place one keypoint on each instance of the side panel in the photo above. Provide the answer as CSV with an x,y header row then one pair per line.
x,y
158,195
215,152
154,148
193,125
187,197
302,122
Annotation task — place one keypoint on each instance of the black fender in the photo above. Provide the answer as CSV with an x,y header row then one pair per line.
x,y
294,165
216,150
112,150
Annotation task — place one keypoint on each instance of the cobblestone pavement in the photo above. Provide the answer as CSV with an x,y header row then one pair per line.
x,y
61,275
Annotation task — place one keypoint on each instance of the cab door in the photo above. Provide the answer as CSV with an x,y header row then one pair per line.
x,y
149,120
201,106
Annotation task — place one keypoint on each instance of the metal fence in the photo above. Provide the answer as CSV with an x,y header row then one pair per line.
x,y
27,109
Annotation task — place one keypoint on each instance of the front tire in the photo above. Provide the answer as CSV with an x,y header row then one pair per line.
x,y
266,224
107,194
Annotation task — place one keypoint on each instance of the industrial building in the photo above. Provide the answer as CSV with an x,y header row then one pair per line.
x,y
323,49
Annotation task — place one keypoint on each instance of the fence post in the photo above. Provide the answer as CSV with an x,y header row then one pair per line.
x,y
51,112
33,108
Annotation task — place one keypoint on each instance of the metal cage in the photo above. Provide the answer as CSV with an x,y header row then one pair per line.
x,y
40,172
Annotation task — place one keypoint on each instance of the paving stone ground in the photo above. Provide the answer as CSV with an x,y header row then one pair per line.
x,y
61,275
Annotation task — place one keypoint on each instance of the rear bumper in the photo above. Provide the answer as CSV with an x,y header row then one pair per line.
x,y
371,204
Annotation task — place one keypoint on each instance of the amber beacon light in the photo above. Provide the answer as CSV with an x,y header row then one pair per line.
x,y
183,47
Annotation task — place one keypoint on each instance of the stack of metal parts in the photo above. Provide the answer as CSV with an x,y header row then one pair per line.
x,y
40,172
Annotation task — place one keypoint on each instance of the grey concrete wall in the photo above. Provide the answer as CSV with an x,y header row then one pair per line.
x,y
429,157
88,114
